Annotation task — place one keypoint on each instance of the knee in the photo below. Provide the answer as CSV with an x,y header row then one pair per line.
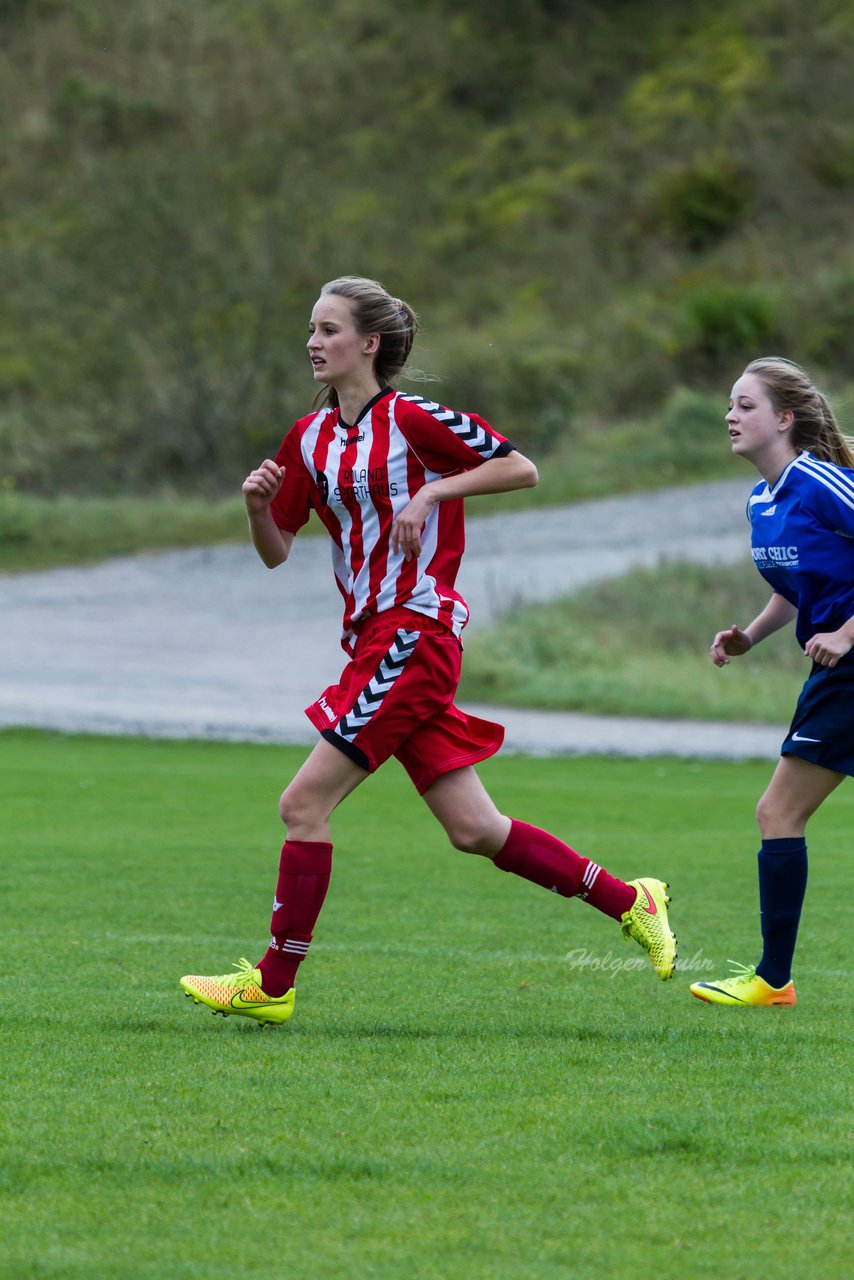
x,y
775,817
767,816
466,841
762,814
470,837
295,806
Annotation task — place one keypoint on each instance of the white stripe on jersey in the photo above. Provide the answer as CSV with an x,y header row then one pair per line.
x,y
339,568
772,493
362,497
829,475
764,495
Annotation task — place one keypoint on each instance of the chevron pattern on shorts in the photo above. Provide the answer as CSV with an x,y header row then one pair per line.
x,y
371,698
462,426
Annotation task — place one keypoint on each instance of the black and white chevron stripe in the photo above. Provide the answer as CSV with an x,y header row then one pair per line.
x,y
471,433
371,698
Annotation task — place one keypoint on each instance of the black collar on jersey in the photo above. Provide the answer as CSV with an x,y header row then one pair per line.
x,y
360,415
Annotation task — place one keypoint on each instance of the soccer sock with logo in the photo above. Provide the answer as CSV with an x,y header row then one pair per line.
x,y
304,870
540,857
782,886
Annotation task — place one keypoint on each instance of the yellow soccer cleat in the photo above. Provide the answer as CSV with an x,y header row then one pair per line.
x,y
744,986
241,993
647,923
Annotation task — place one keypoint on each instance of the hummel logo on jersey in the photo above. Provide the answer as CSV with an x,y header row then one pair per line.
x,y
326,709
799,737
347,440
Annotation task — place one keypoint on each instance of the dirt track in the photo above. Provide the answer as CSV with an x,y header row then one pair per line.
x,y
211,644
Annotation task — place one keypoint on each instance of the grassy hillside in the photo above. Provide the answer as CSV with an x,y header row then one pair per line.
x,y
591,205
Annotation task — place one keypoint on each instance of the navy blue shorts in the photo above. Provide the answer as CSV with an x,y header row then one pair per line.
x,y
822,729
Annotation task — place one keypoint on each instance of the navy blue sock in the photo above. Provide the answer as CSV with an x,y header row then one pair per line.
x,y
782,885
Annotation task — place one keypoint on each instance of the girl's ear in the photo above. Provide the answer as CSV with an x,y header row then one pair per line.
x,y
372,344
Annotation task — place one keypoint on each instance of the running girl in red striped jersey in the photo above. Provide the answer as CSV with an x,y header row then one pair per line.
x,y
387,474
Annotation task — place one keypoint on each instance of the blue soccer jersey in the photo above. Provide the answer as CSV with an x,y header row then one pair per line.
x,y
802,536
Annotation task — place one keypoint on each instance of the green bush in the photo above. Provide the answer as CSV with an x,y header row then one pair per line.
x,y
829,154
826,321
17,520
702,202
692,418
719,324
106,115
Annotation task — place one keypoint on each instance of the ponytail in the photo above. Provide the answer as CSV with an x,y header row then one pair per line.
x,y
815,429
376,311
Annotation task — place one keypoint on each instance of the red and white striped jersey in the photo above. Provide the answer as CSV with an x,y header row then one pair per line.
x,y
359,478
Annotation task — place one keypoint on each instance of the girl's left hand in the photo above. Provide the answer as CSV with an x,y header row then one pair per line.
x,y
827,647
406,530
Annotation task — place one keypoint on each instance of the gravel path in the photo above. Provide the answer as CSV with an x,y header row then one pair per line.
x,y
211,644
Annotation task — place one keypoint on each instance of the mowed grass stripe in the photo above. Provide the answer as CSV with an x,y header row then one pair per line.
x,y
446,1102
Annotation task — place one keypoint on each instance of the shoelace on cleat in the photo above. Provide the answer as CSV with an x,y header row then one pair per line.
x,y
741,972
242,978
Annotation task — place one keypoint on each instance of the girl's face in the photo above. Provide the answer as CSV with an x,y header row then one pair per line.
x,y
338,352
755,426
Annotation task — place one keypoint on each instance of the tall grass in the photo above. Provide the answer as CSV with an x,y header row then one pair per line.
x,y
639,645
44,533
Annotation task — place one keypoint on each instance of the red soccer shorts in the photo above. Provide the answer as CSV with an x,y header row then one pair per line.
x,y
396,698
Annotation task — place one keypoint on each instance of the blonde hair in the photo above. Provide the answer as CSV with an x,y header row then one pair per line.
x,y
376,311
815,428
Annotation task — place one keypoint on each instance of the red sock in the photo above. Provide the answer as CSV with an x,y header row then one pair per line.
x,y
304,870
542,858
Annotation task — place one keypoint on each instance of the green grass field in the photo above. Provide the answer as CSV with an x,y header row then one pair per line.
x,y
474,1084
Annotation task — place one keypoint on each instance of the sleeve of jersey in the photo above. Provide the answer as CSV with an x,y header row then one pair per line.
x,y
291,506
446,440
831,498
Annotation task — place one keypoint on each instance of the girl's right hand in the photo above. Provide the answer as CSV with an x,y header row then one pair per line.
x,y
261,485
729,644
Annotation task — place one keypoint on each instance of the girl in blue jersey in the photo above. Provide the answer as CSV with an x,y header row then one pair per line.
x,y
802,533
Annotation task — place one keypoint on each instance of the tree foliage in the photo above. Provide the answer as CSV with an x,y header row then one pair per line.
x,y
587,203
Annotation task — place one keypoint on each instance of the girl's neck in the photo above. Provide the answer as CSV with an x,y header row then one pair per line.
x,y
353,398
773,466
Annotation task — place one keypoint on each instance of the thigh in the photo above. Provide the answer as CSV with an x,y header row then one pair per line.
x,y
466,810
325,778
797,788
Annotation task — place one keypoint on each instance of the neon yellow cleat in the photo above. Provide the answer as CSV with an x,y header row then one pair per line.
x,y
647,923
241,993
744,986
